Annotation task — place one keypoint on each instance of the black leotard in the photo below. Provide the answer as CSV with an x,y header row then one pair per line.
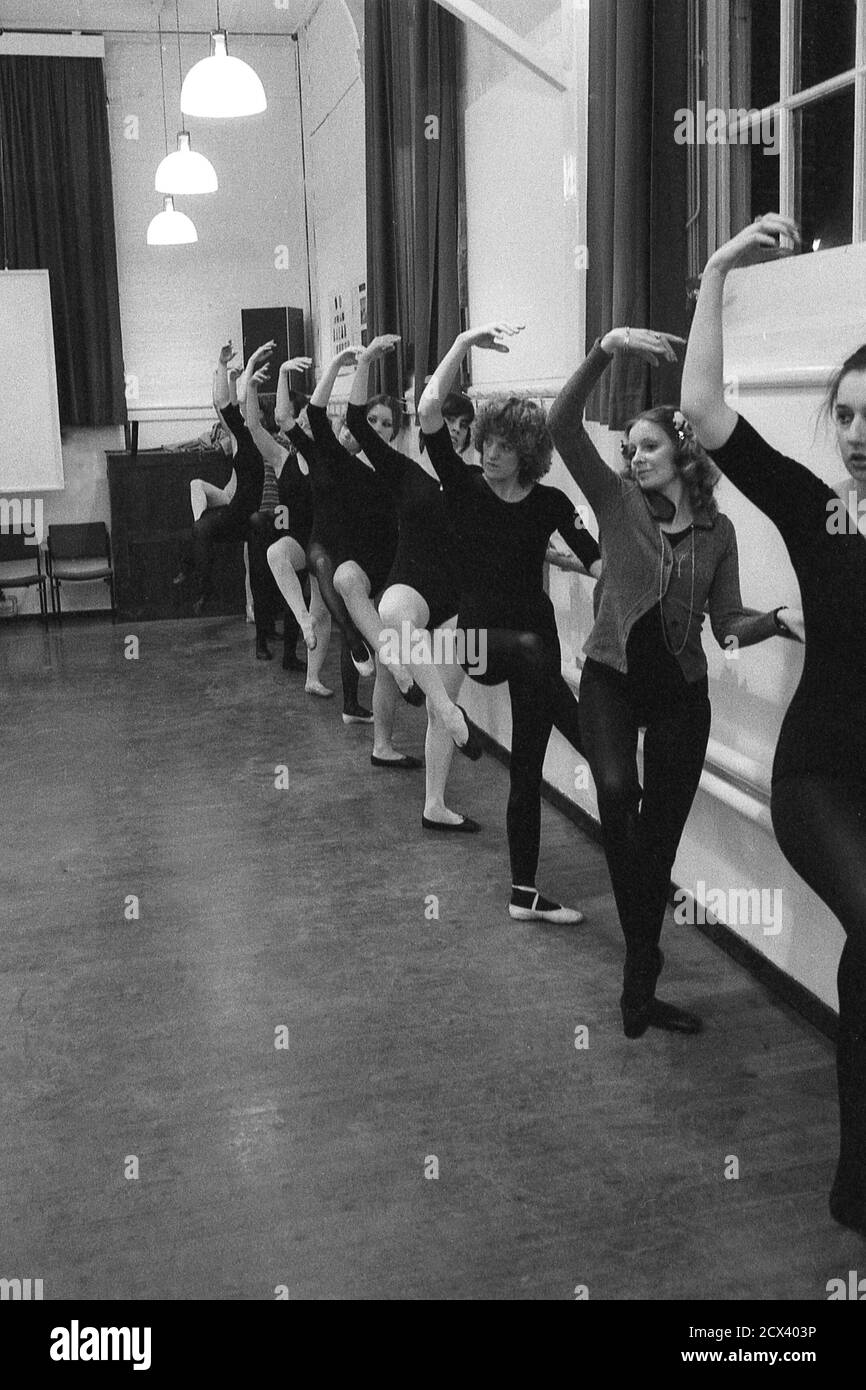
x,y
369,516
824,729
425,559
296,495
247,461
501,545
326,496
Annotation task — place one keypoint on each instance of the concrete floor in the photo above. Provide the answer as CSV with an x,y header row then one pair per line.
x,y
407,1038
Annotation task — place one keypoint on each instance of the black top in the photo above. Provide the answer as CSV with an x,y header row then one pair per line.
x,y
248,463
501,545
426,558
326,497
296,495
369,516
824,729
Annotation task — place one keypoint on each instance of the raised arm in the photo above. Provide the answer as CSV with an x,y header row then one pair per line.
x,y
388,462
452,470
222,395
283,406
490,337
588,469
272,452
703,386
255,362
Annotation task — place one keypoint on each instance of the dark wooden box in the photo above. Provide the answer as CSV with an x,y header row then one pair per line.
x,y
151,530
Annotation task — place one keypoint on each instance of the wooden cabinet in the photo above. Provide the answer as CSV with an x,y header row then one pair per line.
x,y
151,531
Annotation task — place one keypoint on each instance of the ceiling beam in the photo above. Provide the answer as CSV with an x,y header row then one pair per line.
x,y
527,54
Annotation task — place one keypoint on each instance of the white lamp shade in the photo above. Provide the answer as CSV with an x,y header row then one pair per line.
x,y
222,87
185,171
170,228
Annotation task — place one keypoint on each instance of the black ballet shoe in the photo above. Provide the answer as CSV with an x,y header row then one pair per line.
x,y
466,826
357,715
293,663
406,763
414,695
473,747
528,905
263,651
658,1014
848,1208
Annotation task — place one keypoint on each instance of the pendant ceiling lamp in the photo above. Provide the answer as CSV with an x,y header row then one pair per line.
x,y
185,171
169,227
222,87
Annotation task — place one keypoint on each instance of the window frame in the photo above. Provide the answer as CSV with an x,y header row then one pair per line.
x,y
719,28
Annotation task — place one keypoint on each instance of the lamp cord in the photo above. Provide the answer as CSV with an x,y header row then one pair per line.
x,y
162,80
179,59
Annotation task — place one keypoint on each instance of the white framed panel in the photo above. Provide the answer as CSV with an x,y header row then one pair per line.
x,y
31,457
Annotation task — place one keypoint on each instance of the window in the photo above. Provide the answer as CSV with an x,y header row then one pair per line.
x,y
791,75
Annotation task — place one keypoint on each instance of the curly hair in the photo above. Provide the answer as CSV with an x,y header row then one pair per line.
x,y
691,460
521,424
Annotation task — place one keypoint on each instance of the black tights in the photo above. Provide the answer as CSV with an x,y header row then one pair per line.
x,y
820,823
540,698
321,568
642,827
268,602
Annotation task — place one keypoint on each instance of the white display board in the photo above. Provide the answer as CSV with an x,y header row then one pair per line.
x,y
31,459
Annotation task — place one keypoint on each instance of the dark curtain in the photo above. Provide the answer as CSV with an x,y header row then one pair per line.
x,y
636,193
59,216
437,299
410,75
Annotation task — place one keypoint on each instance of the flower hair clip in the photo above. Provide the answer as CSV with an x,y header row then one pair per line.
x,y
682,427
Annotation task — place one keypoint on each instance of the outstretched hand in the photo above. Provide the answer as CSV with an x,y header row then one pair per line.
x,y
653,347
261,352
491,335
260,377
297,364
385,343
761,235
227,352
348,356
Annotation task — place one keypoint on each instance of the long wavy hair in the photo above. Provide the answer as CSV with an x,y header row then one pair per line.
x,y
521,424
694,465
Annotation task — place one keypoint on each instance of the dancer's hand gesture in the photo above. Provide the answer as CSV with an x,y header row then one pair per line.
x,y
261,352
759,236
490,336
348,356
651,346
297,364
381,346
227,352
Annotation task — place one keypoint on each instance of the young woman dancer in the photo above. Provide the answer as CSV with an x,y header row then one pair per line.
x,y
282,547
421,593
326,540
819,772
668,555
368,540
502,520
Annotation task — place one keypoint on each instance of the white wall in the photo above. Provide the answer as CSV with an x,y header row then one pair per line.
x,y
178,304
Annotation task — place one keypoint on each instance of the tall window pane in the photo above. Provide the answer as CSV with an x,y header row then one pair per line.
x,y
825,40
824,133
